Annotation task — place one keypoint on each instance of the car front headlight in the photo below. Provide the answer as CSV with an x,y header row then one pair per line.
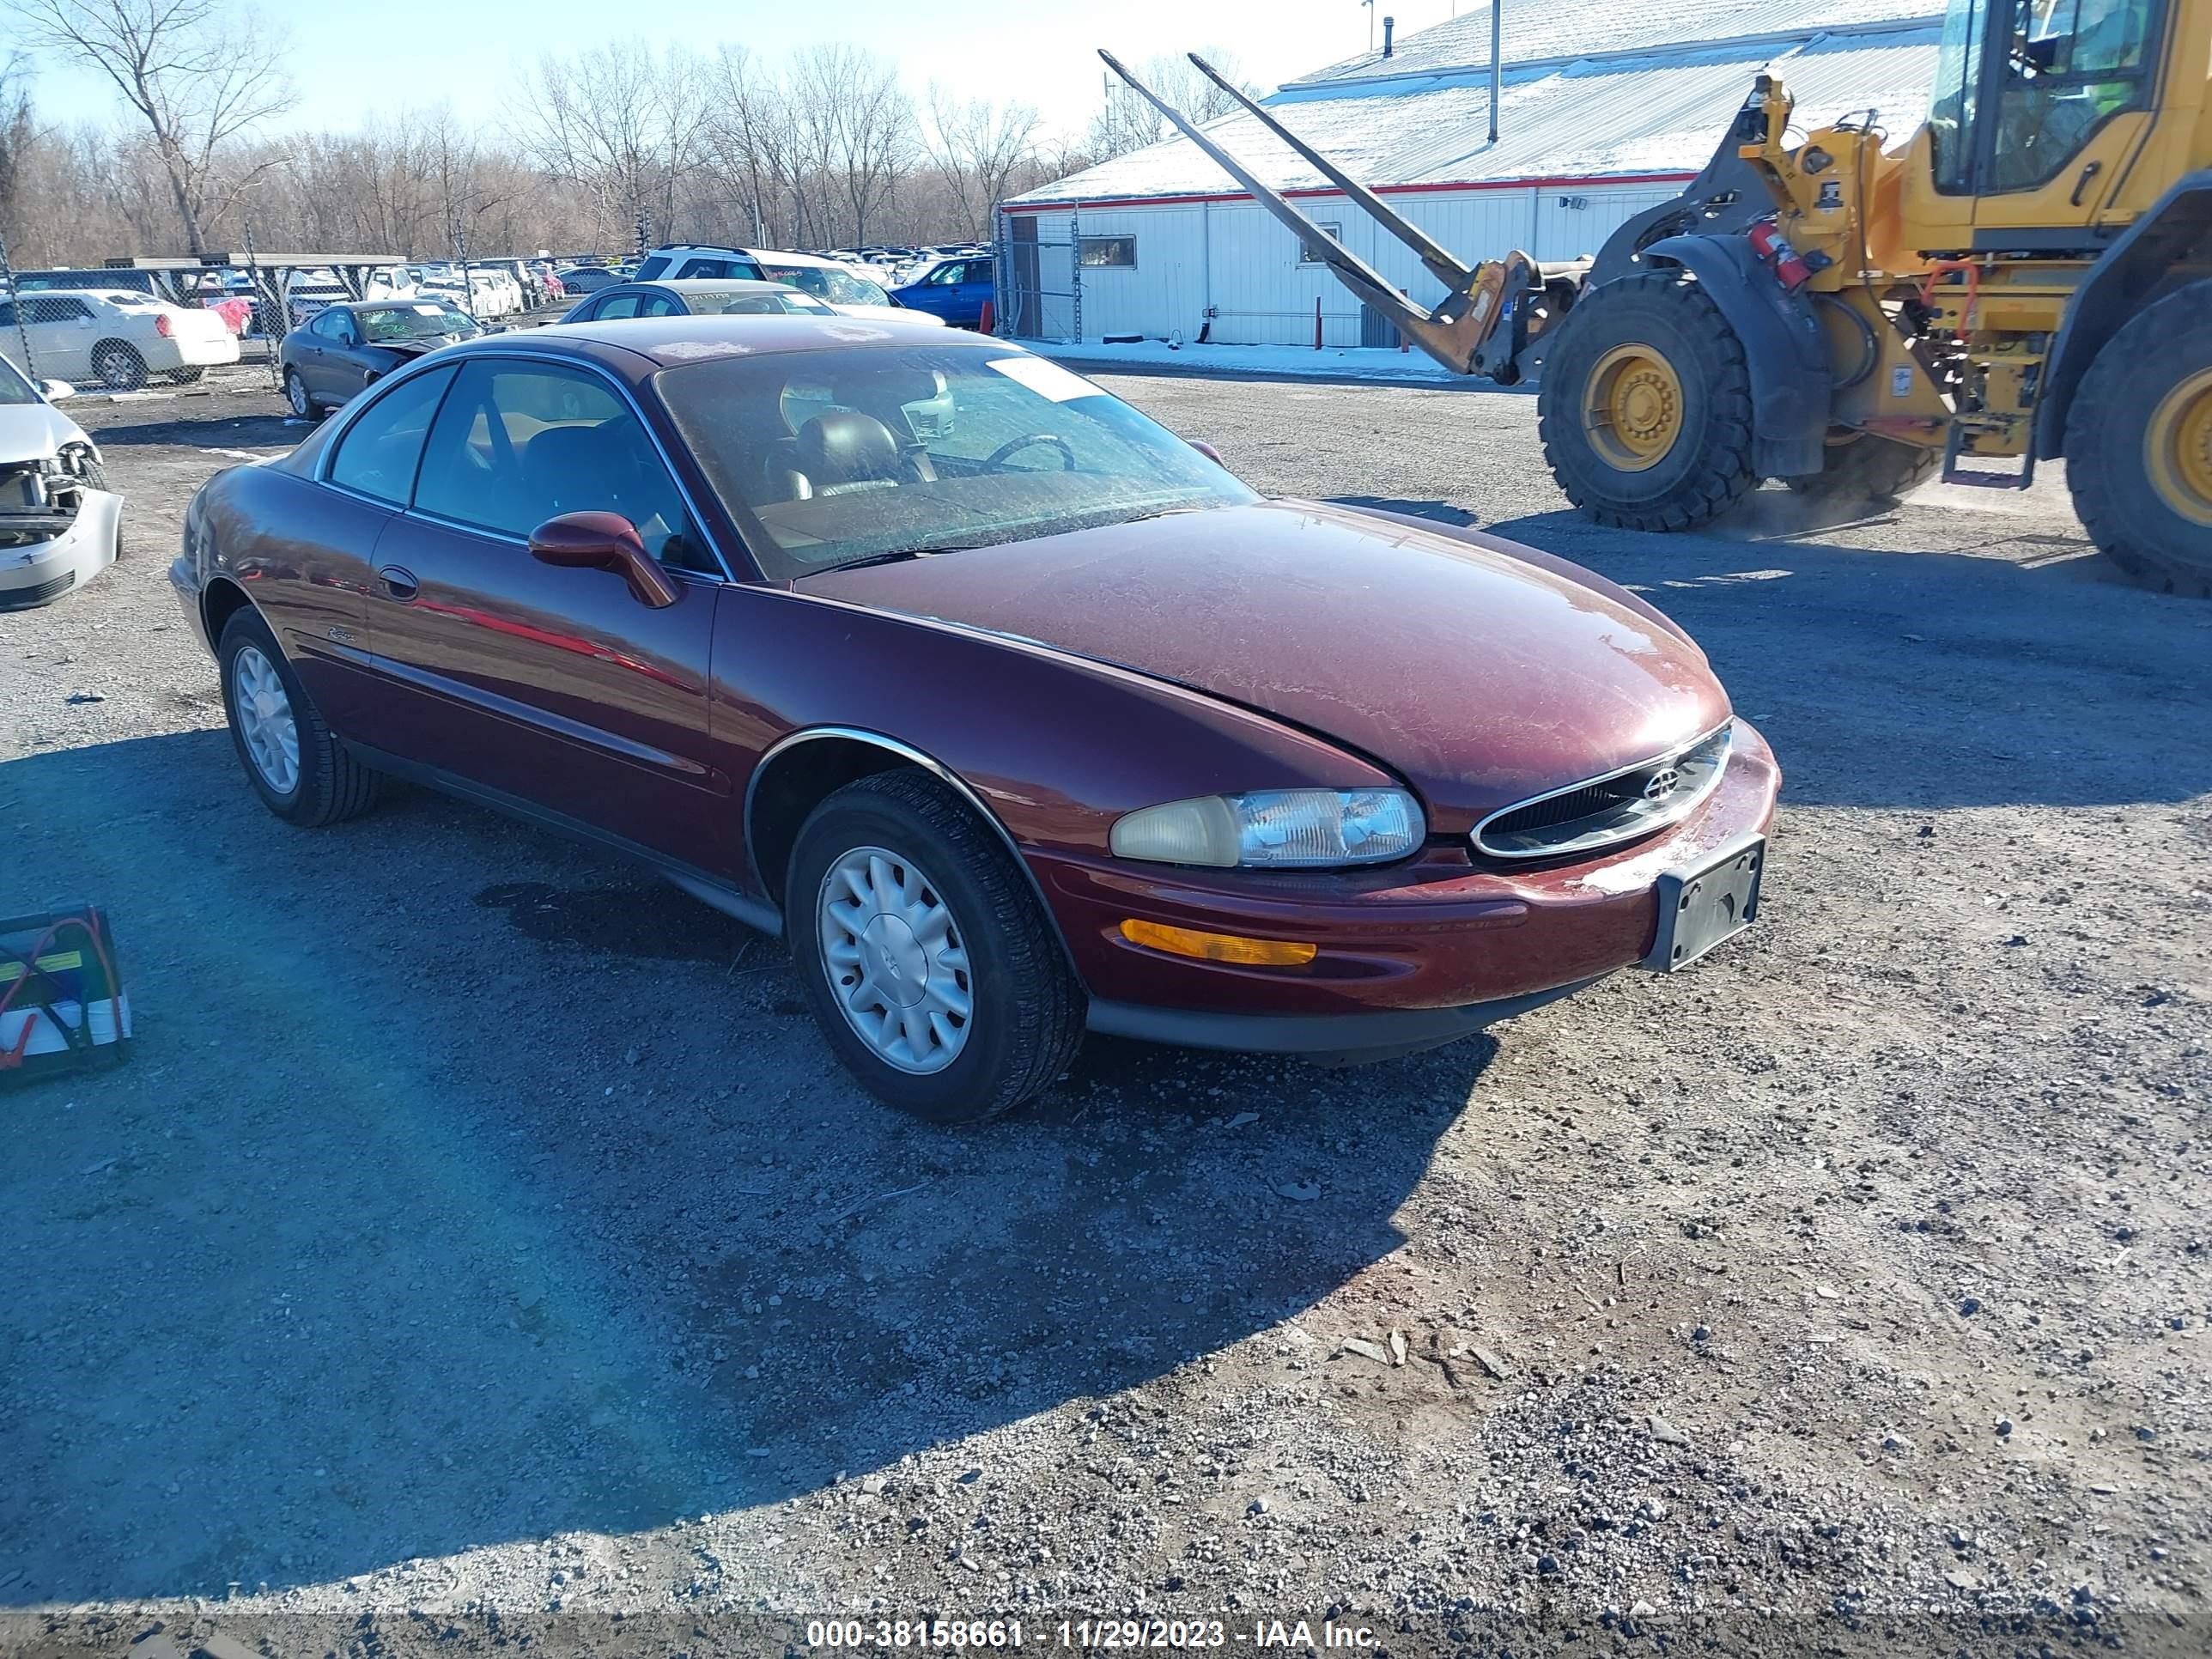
x,y
1275,829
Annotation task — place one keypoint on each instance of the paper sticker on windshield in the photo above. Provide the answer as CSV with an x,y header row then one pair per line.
x,y
1046,378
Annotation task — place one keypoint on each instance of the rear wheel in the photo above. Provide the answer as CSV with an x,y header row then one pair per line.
x,y
119,365
295,764
926,959
2139,445
1645,407
1859,467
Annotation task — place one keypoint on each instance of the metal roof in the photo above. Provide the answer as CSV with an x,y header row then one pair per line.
x,y
1586,119
1543,31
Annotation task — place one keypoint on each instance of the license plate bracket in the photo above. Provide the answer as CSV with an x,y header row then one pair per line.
x,y
1707,904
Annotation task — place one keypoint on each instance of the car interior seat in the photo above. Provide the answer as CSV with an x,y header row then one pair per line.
x,y
844,451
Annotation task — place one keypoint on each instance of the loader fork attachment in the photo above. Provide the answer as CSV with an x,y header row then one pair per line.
x,y
1458,333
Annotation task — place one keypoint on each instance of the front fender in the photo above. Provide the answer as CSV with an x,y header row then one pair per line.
x,y
1783,348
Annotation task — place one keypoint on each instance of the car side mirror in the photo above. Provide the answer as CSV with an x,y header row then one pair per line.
x,y
604,541
1206,450
54,391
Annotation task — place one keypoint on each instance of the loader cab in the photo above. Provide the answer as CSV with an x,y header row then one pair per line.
x,y
2040,108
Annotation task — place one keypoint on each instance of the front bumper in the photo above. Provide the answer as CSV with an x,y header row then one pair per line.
x,y
37,572
1408,956
185,578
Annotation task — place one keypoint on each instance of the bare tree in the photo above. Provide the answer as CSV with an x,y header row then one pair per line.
x,y
977,147
178,65
753,141
856,133
626,125
16,134
1128,122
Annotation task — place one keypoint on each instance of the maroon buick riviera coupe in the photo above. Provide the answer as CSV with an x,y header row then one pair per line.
x,y
1013,713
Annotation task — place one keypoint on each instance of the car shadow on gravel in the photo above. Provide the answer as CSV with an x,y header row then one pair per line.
x,y
466,1186
254,431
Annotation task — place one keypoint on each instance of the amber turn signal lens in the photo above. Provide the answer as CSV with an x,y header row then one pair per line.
x,y
1219,947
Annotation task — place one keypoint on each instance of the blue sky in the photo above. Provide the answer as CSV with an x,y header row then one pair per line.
x,y
352,62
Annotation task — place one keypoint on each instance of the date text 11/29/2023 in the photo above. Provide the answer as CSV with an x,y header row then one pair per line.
x,y
957,1635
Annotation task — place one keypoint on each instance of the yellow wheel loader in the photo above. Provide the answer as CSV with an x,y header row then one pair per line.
x,y
2028,275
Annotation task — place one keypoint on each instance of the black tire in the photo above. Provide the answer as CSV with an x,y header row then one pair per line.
x,y
119,365
332,785
1870,469
187,375
1708,468
2108,431
1028,1010
297,397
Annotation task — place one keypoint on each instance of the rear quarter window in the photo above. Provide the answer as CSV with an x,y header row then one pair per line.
x,y
378,453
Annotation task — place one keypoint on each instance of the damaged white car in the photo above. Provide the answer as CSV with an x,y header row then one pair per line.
x,y
60,524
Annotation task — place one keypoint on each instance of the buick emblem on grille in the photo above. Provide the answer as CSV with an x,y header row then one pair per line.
x,y
1662,784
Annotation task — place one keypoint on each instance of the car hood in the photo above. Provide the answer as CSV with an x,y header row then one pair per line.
x,y
1480,672
31,432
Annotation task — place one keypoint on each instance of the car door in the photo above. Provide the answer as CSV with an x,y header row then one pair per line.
x,y
557,689
350,364
61,333
976,285
304,349
314,581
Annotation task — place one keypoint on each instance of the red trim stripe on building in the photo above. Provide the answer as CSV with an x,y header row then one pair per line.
x,y
1086,205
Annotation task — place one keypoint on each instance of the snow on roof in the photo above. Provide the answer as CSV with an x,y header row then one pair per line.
x,y
1542,30
1591,119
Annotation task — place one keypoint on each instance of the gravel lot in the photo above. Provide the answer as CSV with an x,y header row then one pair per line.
x,y
480,1248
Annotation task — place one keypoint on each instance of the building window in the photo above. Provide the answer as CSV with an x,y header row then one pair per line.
x,y
1307,255
1108,253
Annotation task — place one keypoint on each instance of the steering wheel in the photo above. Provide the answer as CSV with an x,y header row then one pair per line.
x,y
998,457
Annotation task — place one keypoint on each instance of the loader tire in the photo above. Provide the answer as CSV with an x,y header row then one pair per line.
x,y
1870,469
2139,446
1645,408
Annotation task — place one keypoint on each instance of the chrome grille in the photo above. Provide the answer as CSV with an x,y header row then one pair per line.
x,y
1617,807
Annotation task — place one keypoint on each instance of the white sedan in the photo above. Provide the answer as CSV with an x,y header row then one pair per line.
x,y
118,337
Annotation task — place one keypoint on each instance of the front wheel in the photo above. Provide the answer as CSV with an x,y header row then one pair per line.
x,y
1645,406
2139,445
925,956
295,764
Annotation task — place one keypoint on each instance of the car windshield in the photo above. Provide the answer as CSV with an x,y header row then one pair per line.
x,y
388,324
14,388
831,457
839,288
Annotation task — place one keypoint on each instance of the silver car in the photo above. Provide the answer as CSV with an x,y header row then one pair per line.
x,y
60,524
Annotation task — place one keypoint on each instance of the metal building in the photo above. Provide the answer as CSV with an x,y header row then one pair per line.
x,y
1600,111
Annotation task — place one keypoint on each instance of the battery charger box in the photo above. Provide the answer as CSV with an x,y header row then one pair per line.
x,y
62,1002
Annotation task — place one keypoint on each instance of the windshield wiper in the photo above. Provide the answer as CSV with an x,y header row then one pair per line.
x,y
899,556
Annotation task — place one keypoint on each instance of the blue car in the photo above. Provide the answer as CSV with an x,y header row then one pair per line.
x,y
954,289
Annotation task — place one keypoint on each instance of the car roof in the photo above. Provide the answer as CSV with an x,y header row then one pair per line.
x,y
777,256
667,340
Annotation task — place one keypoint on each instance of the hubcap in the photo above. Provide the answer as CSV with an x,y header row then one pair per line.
x,y
2178,448
1633,407
298,389
264,719
897,966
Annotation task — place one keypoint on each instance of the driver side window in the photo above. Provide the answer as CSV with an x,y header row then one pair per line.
x,y
516,444
2071,66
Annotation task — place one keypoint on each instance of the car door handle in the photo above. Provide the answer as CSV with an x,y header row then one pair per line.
x,y
399,583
